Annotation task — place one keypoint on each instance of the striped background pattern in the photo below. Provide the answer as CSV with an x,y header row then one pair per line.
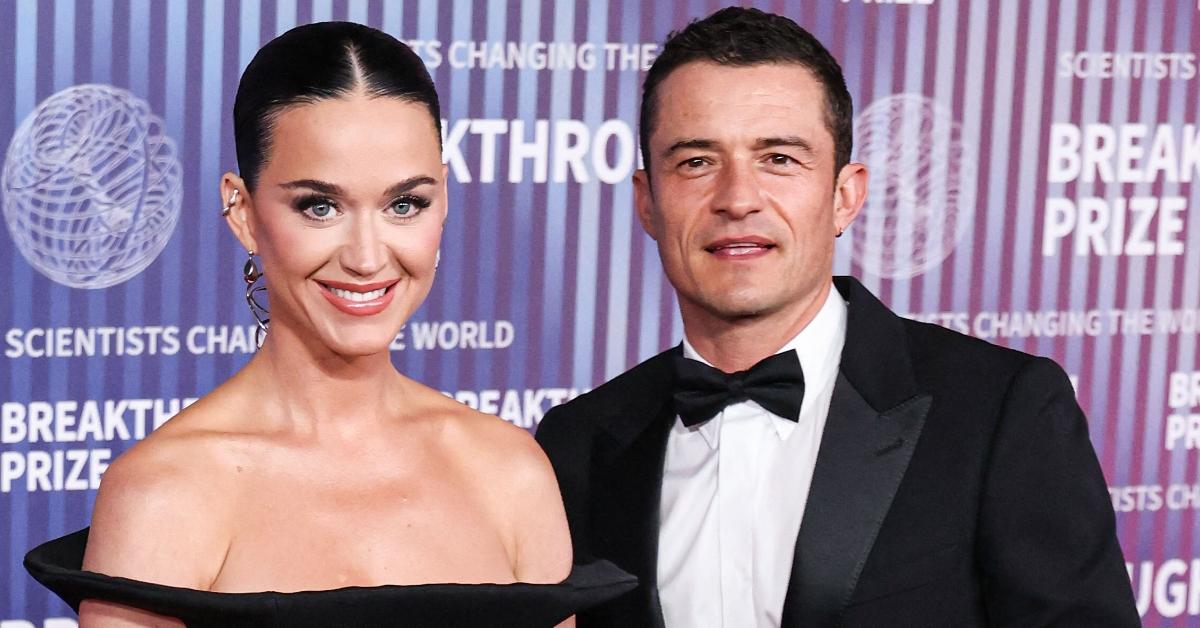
x,y
567,262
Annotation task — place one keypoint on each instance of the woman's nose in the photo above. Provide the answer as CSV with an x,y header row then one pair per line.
x,y
364,252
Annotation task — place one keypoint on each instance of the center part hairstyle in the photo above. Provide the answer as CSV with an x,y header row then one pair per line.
x,y
739,37
318,62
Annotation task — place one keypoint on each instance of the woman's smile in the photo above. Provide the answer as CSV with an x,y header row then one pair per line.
x,y
358,299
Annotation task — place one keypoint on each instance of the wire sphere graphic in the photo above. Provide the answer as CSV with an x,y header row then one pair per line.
x,y
919,167
92,186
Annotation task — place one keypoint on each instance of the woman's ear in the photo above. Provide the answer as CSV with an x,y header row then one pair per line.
x,y
238,208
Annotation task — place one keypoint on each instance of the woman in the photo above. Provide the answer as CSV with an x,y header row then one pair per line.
x,y
318,466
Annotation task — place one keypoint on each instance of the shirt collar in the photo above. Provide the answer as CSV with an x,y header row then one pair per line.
x,y
818,346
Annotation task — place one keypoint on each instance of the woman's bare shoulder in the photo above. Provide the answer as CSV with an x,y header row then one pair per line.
x,y
491,442
521,486
163,510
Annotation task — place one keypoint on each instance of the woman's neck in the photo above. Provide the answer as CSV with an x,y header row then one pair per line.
x,y
310,389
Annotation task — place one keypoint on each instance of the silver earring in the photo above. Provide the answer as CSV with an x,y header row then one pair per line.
x,y
437,259
229,205
251,273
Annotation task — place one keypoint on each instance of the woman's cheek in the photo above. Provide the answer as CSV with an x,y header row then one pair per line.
x,y
424,254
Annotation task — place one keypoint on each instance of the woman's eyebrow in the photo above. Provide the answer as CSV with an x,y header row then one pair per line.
x,y
409,183
323,187
333,189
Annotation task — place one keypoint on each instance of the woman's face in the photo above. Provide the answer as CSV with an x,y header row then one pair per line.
x,y
347,217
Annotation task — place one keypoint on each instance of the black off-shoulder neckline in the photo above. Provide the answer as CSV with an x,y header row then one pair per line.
x,y
57,564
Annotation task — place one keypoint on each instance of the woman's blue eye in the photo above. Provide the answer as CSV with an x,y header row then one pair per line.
x,y
408,206
316,208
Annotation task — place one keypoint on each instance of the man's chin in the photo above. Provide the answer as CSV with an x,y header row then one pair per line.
x,y
746,308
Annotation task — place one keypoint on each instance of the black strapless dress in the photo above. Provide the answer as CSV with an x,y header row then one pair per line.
x,y
56,564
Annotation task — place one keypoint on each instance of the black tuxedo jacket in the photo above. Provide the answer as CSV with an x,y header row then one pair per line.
x,y
955,486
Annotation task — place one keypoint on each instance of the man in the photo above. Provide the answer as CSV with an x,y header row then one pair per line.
x,y
924,478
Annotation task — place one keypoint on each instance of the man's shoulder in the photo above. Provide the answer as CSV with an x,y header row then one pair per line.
x,y
635,387
932,349
938,351
929,338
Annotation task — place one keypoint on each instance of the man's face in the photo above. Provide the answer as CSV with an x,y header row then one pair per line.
x,y
740,192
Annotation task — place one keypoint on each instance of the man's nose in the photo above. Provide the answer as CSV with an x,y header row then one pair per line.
x,y
364,252
739,193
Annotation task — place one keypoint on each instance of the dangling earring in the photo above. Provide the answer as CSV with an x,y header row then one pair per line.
x,y
229,205
437,260
251,274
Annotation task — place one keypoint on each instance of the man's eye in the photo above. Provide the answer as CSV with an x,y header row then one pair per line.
x,y
781,160
694,162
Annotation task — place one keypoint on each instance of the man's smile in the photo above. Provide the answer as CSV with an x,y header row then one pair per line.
x,y
740,247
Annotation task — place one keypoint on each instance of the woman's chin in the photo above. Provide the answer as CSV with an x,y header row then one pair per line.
x,y
358,343
361,347
348,339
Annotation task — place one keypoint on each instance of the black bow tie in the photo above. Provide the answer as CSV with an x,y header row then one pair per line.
x,y
701,391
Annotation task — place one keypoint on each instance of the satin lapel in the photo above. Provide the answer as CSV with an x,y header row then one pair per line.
x,y
626,489
862,458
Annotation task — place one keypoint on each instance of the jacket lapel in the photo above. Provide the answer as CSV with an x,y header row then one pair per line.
x,y
627,484
875,418
863,456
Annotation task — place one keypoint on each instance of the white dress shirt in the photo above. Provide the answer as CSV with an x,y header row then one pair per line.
x,y
734,490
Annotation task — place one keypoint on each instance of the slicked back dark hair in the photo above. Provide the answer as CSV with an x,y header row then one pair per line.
x,y
737,37
318,62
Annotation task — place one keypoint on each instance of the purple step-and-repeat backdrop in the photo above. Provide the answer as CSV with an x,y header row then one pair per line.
x,y
1033,174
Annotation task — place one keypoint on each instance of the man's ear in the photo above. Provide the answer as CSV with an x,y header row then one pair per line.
x,y
643,201
238,209
849,195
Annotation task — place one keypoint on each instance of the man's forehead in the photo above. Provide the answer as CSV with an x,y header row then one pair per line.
x,y
706,83
789,75
740,104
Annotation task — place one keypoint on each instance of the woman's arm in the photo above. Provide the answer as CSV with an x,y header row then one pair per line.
x,y
543,541
146,526
97,614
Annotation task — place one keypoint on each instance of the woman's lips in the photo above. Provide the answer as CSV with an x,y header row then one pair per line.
x,y
358,299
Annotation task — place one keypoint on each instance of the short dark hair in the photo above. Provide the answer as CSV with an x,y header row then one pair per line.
x,y
737,36
318,62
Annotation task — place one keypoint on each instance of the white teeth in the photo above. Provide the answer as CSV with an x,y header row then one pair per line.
x,y
739,248
357,296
